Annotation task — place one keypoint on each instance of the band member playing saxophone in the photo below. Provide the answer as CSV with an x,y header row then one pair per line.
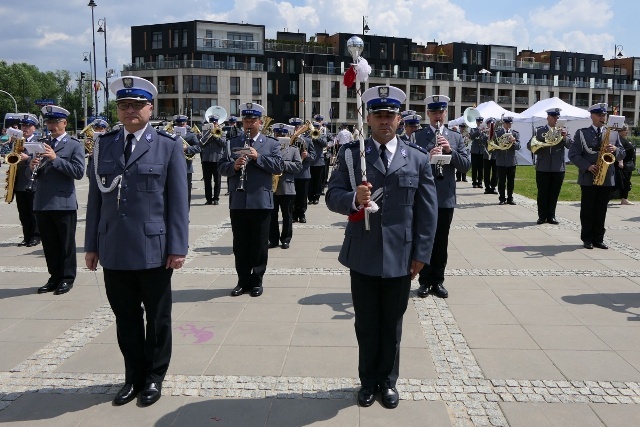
x,y
251,161
24,198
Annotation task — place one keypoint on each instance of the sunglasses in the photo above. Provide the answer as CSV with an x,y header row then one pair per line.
x,y
135,105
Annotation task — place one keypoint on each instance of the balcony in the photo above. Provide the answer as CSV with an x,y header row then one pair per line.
x,y
614,70
504,100
468,98
532,65
278,46
522,100
204,44
429,57
502,64
582,102
164,65
162,89
417,96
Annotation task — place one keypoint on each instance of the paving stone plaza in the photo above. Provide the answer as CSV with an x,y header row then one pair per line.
x,y
537,331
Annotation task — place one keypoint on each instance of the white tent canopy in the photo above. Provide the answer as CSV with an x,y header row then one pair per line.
x,y
536,115
487,109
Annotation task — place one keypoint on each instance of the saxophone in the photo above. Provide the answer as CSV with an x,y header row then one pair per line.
x,y
605,159
12,159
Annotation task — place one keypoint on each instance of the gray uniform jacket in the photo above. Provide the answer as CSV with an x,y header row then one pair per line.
x,y
23,173
151,221
56,189
507,158
460,160
404,228
478,141
193,148
214,150
550,159
292,165
258,192
584,152
305,173
319,146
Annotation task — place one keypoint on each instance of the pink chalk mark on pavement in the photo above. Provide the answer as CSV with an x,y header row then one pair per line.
x,y
201,334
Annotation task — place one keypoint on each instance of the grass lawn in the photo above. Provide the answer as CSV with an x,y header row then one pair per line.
x,y
525,184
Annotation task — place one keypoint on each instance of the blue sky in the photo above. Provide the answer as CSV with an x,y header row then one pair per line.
x,y
56,38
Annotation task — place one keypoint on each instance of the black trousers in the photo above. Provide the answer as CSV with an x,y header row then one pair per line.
x,y
146,353
325,174
549,185
282,203
315,185
24,203
593,212
489,168
58,234
433,273
189,186
379,305
476,168
209,171
300,200
250,244
506,179
460,176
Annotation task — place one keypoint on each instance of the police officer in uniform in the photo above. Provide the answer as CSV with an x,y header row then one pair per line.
x,y
450,143
411,125
249,165
550,168
137,228
383,260
303,177
489,166
462,128
193,147
478,148
24,198
584,153
317,167
286,190
211,152
54,201
506,162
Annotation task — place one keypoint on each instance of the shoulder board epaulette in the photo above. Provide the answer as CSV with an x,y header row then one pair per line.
x,y
43,139
454,131
74,138
417,147
273,137
167,134
351,144
111,132
422,129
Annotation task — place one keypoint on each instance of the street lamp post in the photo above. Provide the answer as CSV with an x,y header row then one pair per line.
x,y
15,104
85,100
365,26
617,55
92,4
102,28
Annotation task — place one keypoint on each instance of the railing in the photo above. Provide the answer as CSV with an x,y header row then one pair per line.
x,y
429,57
502,64
614,70
226,45
629,104
382,73
203,88
167,89
417,96
162,65
301,48
532,65
468,98
504,100
485,98
582,102
522,100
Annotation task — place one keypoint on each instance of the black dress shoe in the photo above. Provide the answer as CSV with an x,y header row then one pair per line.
x,y
150,394
366,396
256,291
553,221
273,245
294,219
487,191
439,291
390,397
423,291
494,191
540,221
127,393
588,245
285,245
49,287
303,220
600,245
501,202
33,242
237,291
208,202
511,202
23,243
216,202
63,288
464,180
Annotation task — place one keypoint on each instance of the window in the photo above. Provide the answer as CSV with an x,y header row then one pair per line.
x,y
594,65
185,38
269,87
176,41
352,111
413,72
315,107
234,107
293,87
464,57
315,88
335,110
271,65
330,67
156,40
569,64
235,86
240,40
581,65
351,93
208,38
291,66
335,89
478,57
256,86
557,66
383,51
200,105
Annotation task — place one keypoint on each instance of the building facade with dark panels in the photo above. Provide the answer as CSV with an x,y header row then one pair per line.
x,y
197,64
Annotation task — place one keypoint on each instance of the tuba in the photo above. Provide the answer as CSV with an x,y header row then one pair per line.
x,y
12,159
89,140
266,126
315,133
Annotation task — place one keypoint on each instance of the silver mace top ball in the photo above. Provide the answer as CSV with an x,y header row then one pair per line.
x,y
355,46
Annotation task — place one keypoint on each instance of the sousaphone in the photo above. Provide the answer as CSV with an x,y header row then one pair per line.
x,y
210,129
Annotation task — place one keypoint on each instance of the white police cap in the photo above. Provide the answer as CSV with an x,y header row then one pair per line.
x,y
407,113
133,88
383,98
437,102
413,119
180,118
280,129
554,111
54,112
296,121
251,110
599,108
29,119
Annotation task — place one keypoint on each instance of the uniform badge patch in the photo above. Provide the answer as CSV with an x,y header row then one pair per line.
x,y
383,92
148,137
127,82
403,152
368,149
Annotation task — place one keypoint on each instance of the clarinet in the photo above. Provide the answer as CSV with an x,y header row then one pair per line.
x,y
243,168
31,186
439,171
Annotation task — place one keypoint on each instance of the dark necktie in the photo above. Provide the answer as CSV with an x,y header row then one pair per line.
x,y
128,148
599,136
383,157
